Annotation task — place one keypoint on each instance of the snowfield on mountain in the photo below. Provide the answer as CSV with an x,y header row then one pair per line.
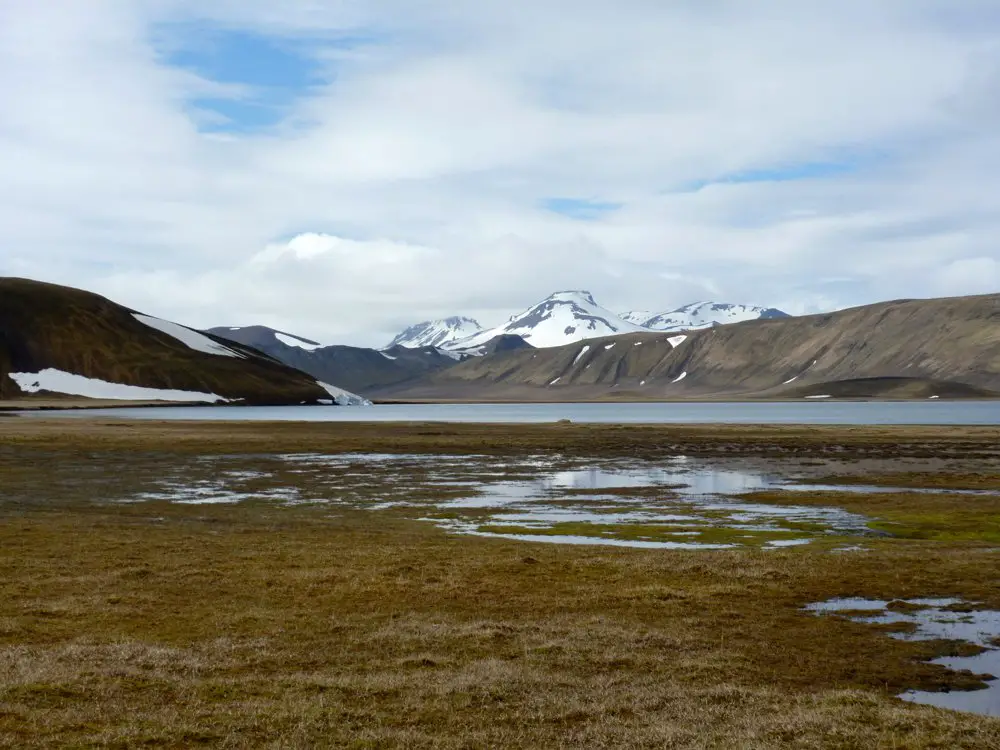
x,y
437,333
570,316
560,319
708,314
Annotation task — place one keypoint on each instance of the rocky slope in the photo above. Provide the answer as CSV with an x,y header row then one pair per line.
x,y
943,344
59,340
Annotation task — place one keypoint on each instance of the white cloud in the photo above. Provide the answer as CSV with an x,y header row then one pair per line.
x,y
411,183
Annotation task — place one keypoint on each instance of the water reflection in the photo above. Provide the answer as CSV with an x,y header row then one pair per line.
x,y
933,619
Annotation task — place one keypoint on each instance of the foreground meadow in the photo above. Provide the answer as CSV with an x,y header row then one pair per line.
x,y
128,619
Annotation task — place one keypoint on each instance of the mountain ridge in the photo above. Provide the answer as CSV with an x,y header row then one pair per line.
x,y
573,315
947,341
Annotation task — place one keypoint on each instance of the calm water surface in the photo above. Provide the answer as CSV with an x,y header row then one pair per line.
x,y
826,412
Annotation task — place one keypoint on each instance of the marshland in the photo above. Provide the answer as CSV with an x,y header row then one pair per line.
x,y
466,585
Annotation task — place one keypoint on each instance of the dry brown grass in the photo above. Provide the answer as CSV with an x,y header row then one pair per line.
x,y
606,440
262,626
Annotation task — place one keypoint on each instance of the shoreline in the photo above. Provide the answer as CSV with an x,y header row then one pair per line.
x,y
82,404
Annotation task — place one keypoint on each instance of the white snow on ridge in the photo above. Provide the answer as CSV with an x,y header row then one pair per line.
x,y
791,380
187,336
676,341
57,381
825,395
437,333
562,318
287,340
638,317
342,397
580,355
609,346
706,315
680,377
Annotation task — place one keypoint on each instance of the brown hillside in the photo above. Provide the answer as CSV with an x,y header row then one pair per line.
x,y
49,326
942,343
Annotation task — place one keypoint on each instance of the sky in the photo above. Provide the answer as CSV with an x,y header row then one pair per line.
x,y
343,168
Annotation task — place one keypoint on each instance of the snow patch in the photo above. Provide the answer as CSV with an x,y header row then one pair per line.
x,y
287,340
791,380
680,377
825,395
389,356
580,355
676,341
187,336
57,381
555,381
342,397
609,346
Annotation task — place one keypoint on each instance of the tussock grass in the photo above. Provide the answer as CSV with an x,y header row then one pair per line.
x,y
261,626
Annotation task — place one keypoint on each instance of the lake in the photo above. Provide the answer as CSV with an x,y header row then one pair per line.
x,y
813,412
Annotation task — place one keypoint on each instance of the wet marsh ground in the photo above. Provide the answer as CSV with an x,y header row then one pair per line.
x,y
232,585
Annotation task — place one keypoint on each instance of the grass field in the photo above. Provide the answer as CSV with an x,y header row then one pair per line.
x,y
260,624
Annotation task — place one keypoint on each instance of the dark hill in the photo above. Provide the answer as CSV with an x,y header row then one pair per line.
x,y
45,326
357,369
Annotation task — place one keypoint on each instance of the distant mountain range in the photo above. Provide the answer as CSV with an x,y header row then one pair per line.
x,y
566,317
915,349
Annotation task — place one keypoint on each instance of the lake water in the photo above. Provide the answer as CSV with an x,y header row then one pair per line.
x,y
798,412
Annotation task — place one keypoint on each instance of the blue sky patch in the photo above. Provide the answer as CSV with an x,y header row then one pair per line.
x,y
578,208
808,170
274,72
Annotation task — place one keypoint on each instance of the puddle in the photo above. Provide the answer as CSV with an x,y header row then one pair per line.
x,y
681,503
931,620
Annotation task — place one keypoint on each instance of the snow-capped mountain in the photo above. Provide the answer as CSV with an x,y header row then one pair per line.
x,y
560,319
438,333
708,314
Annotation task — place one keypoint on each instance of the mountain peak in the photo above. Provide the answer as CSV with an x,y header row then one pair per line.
x,y
438,333
560,318
572,295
